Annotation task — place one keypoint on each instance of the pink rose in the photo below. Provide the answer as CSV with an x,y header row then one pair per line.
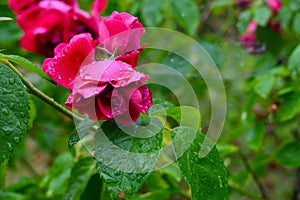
x,y
110,89
274,5
50,23
121,31
64,66
19,6
249,41
105,89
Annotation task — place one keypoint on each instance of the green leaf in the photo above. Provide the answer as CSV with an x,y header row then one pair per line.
x,y
255,136
94,189
187,13
80,176
56,181
285,16
294,61
207,176
264,85
152,12
11,196
14,115
226,149
290,106
127,160
288,154
186,116
296,23
262,15
25,63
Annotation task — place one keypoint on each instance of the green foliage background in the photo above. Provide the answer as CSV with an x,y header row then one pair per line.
x,y
260,141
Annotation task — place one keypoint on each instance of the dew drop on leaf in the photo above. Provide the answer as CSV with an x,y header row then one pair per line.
x,y
5,91
21,93
12,81
11,105
17,140
10,147
5,111
7,130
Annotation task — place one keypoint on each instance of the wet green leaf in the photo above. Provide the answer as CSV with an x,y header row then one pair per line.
x,y
127,160
14,108
80,176
206,176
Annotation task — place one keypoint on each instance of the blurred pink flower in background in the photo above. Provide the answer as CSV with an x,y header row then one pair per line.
x,y
274,5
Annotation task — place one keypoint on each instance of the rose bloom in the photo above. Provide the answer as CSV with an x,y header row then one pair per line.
x,y
249,41
274,5
104,89
50,23
19,6
120,31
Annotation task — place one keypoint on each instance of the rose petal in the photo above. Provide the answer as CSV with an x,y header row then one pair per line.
x,y
64,66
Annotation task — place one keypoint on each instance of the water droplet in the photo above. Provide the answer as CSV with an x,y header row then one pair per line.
x,y
17,139
11,105
7,130
22,114
10,147
21,93
7,91
172,60
182,14
11,80
5,111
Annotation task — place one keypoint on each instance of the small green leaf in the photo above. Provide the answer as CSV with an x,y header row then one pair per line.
x,y
285,16
226,149
94,189
152,12
264,85
187,13
288,154
80,176
11,196
25,63
255,136
290,106
14,108
130,159
56,181
262,15
296,23
207,176
186,116
294,61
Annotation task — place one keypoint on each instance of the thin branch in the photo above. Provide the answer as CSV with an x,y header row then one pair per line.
x,y
42,95
255,177
242,191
